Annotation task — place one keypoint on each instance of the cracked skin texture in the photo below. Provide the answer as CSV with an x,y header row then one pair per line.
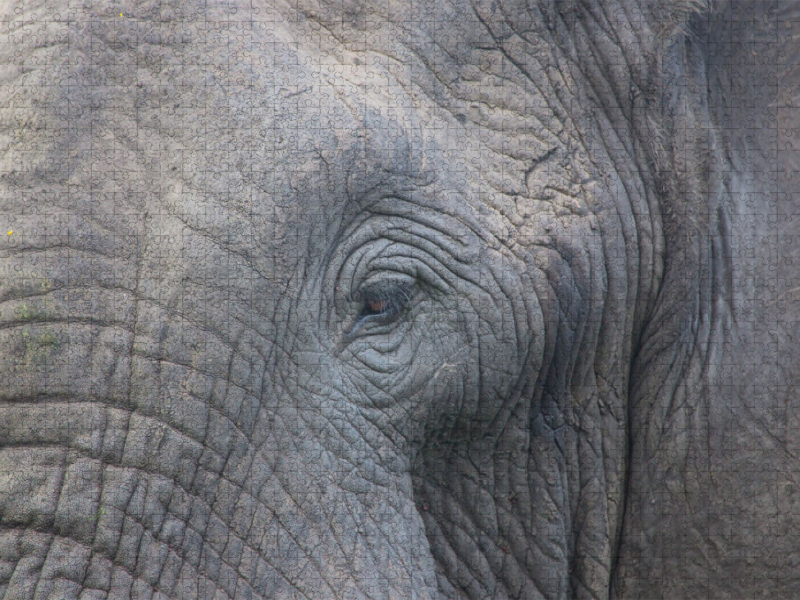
x,y
434,300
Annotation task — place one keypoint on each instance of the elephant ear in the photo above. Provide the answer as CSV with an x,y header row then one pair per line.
x,y
713,409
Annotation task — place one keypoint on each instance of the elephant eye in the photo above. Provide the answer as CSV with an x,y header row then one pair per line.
x,y
376,306
382,305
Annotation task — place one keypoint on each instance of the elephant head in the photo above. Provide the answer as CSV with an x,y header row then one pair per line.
x,y
391,300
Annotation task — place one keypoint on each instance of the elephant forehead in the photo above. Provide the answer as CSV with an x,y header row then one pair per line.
x,y
449,96
292,121
264,156
271,155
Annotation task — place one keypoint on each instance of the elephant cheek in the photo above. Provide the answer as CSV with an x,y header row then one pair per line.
x,y
351,519
295,502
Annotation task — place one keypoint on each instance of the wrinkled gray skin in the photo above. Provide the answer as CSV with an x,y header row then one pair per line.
x,y
399,300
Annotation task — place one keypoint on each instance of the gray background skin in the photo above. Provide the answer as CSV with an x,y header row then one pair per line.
x,y
591,393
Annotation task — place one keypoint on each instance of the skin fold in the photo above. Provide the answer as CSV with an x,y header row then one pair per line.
x,y
398,300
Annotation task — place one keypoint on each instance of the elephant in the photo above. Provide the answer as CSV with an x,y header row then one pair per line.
x,y
439,299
